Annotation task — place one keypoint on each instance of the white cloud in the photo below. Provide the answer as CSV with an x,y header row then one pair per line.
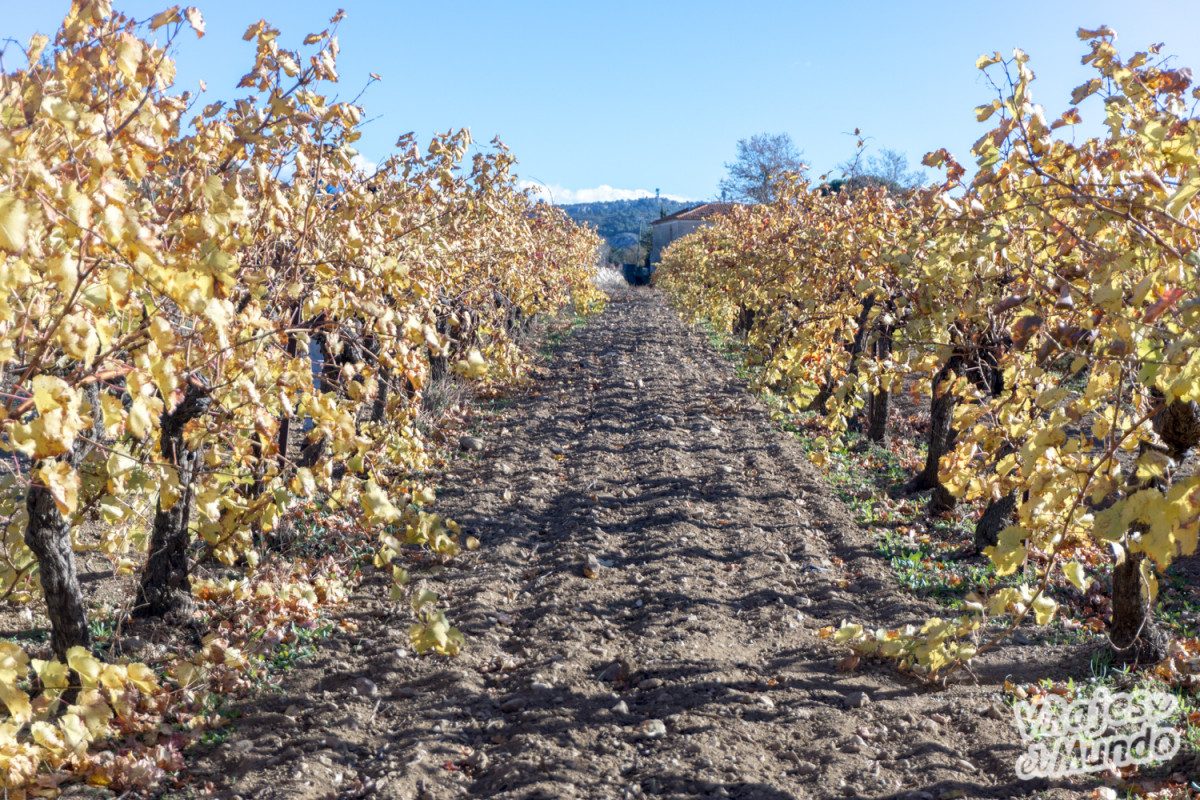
x,y
359,161
600,194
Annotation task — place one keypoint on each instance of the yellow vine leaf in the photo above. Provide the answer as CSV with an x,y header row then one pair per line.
x,y
14,223
1077,574
85,665
63,482
375,502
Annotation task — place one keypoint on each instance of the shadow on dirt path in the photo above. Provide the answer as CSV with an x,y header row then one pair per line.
x,y
689,666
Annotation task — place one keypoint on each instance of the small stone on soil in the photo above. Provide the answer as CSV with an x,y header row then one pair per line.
x,y
619,670
652,729
857,699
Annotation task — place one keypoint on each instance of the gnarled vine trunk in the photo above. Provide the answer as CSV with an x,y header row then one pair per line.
x,y
1134,634
379,407
997,516
166,587
855,347
48,535
439,366
744,321
941,431
981,366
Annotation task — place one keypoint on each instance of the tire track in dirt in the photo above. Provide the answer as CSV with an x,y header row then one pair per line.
x,y
689,666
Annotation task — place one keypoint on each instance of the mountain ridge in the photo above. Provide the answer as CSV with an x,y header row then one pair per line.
x,y
621,222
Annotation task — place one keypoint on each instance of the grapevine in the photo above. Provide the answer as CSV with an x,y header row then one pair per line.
x,y
1048,308
210,317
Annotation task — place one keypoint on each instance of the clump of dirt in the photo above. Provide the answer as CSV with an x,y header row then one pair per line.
x,y
642,619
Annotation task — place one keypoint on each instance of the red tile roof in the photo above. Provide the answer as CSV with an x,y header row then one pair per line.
x,y
702,211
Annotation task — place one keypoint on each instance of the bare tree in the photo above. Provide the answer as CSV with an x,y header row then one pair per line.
x,y
889,168
761,161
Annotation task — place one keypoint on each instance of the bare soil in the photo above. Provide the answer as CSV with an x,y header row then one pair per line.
x,y
690,664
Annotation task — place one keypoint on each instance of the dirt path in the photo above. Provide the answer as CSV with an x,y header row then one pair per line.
x,y
688,667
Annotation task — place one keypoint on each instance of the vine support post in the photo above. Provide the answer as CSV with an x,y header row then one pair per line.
x,y
284,438
878,401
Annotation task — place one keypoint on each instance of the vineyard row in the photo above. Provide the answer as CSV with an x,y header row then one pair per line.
x,y
211,318
1047,306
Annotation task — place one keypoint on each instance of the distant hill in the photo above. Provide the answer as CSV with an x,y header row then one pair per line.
x,y
620,222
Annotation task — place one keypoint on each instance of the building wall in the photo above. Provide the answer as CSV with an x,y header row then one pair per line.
x,y
663,233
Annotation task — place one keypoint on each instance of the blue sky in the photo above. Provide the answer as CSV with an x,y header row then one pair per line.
x,y
605,98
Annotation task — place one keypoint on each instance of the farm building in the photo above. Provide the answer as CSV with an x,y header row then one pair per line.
x,y
681,223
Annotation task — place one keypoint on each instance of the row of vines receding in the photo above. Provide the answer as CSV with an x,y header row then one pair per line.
x,y
1047,307
211,316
